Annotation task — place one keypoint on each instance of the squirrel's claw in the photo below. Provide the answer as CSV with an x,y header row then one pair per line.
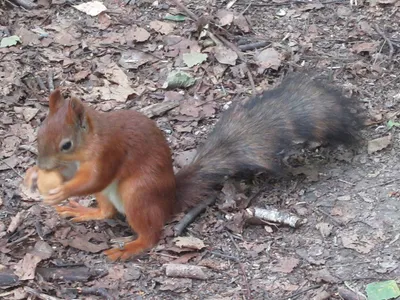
x,y
115,254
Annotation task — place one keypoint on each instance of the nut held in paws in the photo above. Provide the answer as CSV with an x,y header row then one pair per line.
x,y
48,180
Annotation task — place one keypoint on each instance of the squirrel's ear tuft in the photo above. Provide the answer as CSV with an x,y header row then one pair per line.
x,y
76,112
56,100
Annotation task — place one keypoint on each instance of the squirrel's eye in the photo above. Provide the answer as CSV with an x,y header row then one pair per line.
x,y
66,145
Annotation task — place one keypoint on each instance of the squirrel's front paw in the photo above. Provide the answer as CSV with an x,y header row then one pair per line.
x,y
55,196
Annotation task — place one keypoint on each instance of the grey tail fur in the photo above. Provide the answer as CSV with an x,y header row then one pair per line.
x,y
250,135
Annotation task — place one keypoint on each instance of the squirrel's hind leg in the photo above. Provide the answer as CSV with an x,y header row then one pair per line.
x,y
80,213
147,210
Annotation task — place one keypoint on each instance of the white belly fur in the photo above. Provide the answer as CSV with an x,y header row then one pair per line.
x,y
111,192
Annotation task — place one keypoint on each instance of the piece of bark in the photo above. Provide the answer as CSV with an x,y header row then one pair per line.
x,y
73,274
185,271
158,109
273,215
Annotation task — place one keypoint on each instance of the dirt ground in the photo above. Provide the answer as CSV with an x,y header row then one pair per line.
x,y
120,59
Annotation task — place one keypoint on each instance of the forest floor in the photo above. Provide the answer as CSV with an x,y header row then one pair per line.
x,y
121,59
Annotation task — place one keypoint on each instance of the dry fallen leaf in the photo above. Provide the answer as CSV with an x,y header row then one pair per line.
x,y
269,58
23,131
286,265
189,242
162,27
26,267
28,112
241,22
225,17
42,250
121,90
83,244
104,21
353,241
365,47
343,11
133,59
92,8
81,75
324,228
379,143
225,55
137,34
188,109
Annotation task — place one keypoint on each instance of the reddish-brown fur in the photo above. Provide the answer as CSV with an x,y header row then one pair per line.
x,y
128,148
124,146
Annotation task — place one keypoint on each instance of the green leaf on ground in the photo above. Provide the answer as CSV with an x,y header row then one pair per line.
x,y
10,41
391,124
194,58
179,79
176,18
383,290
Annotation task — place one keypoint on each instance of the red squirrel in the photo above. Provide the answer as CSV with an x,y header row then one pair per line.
x,y
123,158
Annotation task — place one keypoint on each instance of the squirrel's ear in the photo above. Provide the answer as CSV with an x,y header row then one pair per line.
x,y
56,100
76,112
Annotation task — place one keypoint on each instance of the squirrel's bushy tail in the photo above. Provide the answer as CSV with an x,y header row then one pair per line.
x,y
250,135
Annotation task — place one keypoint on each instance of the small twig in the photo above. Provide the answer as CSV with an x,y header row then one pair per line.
x,y
192,214
253,46
21,238
40,83
222,255
12,4
347,182
247,7
379,184
233,241
388,41
11,167
28,148
50,81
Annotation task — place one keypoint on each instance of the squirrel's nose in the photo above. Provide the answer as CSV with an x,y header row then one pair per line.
x,y
45,164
